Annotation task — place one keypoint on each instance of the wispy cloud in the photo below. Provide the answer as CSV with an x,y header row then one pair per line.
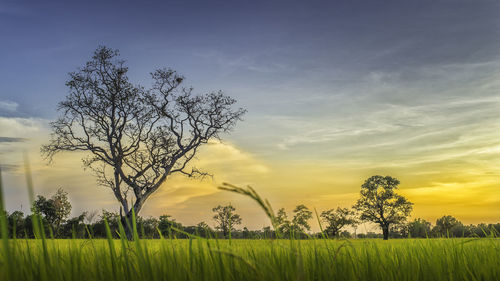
x,y
17,127
9,139
9,106
8,167
334,93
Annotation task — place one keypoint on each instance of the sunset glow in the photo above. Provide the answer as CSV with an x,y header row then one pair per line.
x,y
334,93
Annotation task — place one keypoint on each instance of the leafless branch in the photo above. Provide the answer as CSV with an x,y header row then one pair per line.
x,y
136,137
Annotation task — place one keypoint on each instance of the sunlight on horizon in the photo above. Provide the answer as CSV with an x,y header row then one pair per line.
x,y
335,93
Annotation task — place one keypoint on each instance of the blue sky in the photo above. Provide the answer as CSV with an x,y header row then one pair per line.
x,y
337,90
247,47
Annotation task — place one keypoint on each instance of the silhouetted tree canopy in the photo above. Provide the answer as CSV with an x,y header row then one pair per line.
x,y
20,226
282,222
337,219
165,225
226,219
295,227
54,210
301,218
445,224
419,228
379,203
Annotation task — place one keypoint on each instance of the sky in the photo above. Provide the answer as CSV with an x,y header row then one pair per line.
x,y
336,91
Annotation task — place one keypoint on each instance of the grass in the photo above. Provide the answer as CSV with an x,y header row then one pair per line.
x,y
209,259
206,259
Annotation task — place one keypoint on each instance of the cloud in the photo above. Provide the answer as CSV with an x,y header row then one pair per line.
x,y
225,161
9,106
17,127
9,139
7,167
464,199
432,106
225,156
19,134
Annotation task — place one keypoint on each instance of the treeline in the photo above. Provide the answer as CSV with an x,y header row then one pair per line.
x,y
54,212
446,226
92,225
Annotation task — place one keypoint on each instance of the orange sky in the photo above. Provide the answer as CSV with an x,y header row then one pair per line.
x,y
464,185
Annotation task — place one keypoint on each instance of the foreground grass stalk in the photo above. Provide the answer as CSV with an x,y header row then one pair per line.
x,y
201,259
204,259
4,231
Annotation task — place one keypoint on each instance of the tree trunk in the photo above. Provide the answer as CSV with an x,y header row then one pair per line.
x,y
128,220
127,223
385,231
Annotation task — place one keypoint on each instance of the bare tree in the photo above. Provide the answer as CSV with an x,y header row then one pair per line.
x,y
136,137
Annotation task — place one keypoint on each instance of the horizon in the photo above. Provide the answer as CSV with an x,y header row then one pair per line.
x,y
335,93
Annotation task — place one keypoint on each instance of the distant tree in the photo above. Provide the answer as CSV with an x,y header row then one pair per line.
x,y
267,232
482,230
299,223
202,225
203,229
283,223
345,234
43,206
29,230
370,234
89,220
135,137
246,233
54,210
479,230
419,228
74,227
337,219
355,224
226,219
494,229
398,230
17,224
461,230
301,216
112,219
148,227
445,224
166,224
379,203
90,216
62,206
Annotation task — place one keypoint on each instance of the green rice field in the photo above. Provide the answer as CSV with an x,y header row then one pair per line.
x,y
210,259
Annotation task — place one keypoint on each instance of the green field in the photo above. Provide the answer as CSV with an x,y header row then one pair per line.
x,y
204,259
